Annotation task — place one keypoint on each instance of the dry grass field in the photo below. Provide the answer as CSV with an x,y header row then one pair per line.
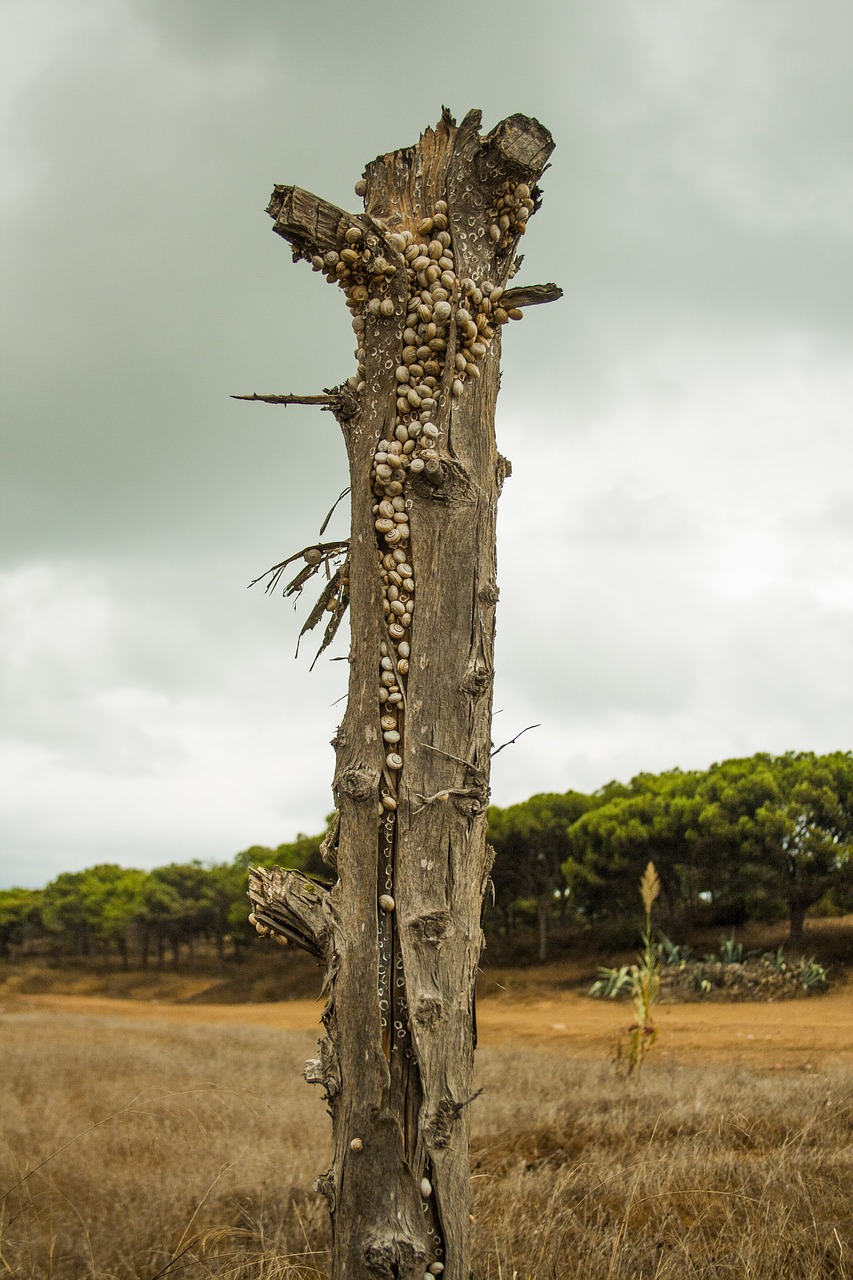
x,y
163,1144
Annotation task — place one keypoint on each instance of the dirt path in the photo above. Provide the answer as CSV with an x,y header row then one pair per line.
x,y
793,1034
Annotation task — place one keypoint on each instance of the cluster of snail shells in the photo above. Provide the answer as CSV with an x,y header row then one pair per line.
x,y
265,932
509,214
438,302
360,268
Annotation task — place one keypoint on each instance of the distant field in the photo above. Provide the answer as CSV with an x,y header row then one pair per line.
x,y
185,1136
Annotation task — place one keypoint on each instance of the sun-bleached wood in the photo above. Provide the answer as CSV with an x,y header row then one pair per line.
x,y
398,1188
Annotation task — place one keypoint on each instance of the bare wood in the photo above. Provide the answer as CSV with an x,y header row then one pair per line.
x,y
532,295
325,401
291,904
400,929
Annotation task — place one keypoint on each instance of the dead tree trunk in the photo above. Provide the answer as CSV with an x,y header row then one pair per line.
x,y
425,271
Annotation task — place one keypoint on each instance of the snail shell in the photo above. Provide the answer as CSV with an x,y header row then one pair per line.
x,y
457,387
393,760
360,187
388,722
388,801
396,631
356,1145
386,902
417,464
392,736
313,555
403,649
426,1188
386,307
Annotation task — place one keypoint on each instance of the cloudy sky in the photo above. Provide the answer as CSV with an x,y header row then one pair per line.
x,y
676,540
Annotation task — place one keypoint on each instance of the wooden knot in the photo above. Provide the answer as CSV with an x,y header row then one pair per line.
x,y
358,784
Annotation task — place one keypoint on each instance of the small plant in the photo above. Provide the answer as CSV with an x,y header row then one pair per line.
x,y
672,953
612,982
646,985
731,952
810,974
640,980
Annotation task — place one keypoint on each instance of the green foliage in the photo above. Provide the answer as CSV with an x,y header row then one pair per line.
x,y
20,916
531,844
758,836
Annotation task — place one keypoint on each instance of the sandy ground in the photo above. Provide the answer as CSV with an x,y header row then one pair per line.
x,y
794,1034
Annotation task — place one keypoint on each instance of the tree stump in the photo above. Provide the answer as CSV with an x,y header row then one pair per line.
x,y
426,273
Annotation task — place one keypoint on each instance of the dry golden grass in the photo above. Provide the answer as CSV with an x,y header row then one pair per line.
x,y
130,1144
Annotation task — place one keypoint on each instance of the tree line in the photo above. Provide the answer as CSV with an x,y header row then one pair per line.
x,y
146,917
759,838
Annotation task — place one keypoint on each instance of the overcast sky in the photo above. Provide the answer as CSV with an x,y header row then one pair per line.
x,y
676,540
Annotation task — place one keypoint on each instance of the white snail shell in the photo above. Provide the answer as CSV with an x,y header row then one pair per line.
x,y
386,902
394,761
426,1188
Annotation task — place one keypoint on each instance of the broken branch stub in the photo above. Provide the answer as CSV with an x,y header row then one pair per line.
x,y
424,271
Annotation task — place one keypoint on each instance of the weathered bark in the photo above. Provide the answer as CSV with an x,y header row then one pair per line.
x,y
399,933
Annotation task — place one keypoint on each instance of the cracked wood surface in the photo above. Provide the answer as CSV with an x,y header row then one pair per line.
x,y
399,1086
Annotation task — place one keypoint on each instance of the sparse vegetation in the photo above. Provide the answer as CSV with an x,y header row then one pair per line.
x,y
133,1149
730,974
